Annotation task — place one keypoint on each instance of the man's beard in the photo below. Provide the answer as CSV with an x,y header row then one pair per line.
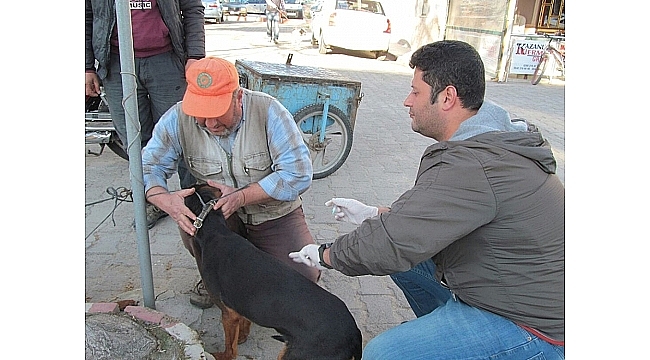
x,y
225,133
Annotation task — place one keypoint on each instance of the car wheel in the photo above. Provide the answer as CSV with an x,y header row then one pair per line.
x,y
322,48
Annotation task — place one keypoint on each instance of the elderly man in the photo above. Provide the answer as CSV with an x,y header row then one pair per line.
x,y
246,144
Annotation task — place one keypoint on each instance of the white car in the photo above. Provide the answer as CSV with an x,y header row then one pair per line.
x,y
255,6
294,8
351,24
213,10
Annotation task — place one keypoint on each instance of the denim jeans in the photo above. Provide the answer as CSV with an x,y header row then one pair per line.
x,y
452,329
273,20
160,83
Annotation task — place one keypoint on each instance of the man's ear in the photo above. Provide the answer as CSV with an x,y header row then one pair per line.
x,y
449,98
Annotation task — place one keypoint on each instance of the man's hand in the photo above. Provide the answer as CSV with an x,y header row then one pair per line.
x,y
174,205
351,210
229,202
92,84
308,255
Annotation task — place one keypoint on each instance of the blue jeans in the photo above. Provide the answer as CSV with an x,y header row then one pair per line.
x,y
452,329
273,21
160,83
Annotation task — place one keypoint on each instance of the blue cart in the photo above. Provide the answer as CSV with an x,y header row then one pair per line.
x,y
318,99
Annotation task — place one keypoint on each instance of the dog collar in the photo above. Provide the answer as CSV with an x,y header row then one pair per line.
x,y
204,212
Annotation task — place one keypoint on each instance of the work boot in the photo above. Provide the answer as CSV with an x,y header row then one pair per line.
x,y
199,296
153,215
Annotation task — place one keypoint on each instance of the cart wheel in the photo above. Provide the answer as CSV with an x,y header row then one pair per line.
x,y
328,156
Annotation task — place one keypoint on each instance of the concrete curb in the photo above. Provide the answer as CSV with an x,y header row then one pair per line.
x,y
190,338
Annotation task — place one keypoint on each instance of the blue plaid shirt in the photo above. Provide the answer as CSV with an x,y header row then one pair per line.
x,y
292,168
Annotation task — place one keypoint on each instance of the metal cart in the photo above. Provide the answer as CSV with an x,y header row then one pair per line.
x,y
318,99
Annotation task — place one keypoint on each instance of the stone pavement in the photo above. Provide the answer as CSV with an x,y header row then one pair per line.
x,y
382,164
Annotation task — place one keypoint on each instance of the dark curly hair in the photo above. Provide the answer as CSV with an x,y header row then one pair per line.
x,y
455,63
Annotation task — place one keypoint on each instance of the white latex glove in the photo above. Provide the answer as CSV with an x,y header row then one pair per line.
x,y
308,255
350,210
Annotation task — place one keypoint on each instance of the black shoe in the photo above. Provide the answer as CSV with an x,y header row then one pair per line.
x,y
199,296
153,215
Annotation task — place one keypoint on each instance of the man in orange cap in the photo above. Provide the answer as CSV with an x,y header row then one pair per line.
x,y
243,142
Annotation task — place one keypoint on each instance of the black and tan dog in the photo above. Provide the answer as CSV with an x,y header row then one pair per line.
x,y
249,284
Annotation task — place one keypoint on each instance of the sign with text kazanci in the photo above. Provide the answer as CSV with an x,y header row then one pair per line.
x,y
526,55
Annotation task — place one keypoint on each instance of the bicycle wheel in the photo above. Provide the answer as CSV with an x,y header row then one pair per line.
x,y
539,70
329,155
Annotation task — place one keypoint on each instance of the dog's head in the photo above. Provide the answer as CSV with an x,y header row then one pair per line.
x,y
203,193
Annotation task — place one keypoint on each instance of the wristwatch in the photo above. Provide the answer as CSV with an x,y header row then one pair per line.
x,y
321,249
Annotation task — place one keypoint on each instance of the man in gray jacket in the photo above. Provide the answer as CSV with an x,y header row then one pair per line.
x,y
477,245
168,35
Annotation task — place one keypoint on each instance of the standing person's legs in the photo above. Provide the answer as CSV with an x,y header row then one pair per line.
x,y
114,93
276,26
421,289
113,88
281,236
163,76
268,24
459,331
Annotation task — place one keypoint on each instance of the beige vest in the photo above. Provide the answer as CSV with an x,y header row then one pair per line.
x,y
250,160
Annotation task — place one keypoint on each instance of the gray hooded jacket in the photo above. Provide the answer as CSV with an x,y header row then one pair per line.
x,y
183,18
489,209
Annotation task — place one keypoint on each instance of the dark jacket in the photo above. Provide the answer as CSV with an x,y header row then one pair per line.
x,y
489,210
183,18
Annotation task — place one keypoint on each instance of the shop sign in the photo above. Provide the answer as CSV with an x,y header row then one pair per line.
x,y
526,55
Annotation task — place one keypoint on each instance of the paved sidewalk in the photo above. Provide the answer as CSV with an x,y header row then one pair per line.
x,y
382,164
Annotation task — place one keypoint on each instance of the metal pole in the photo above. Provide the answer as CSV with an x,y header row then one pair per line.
x,y
130,103
502,61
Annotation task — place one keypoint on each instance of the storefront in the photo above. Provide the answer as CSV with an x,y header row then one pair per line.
x,y
488,25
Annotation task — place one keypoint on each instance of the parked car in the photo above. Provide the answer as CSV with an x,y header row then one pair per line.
x,y
315,6
213,10
234,7
353,24
256,6
294,9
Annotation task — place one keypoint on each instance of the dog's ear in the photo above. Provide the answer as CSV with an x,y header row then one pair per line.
x,y
208,193
193,203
